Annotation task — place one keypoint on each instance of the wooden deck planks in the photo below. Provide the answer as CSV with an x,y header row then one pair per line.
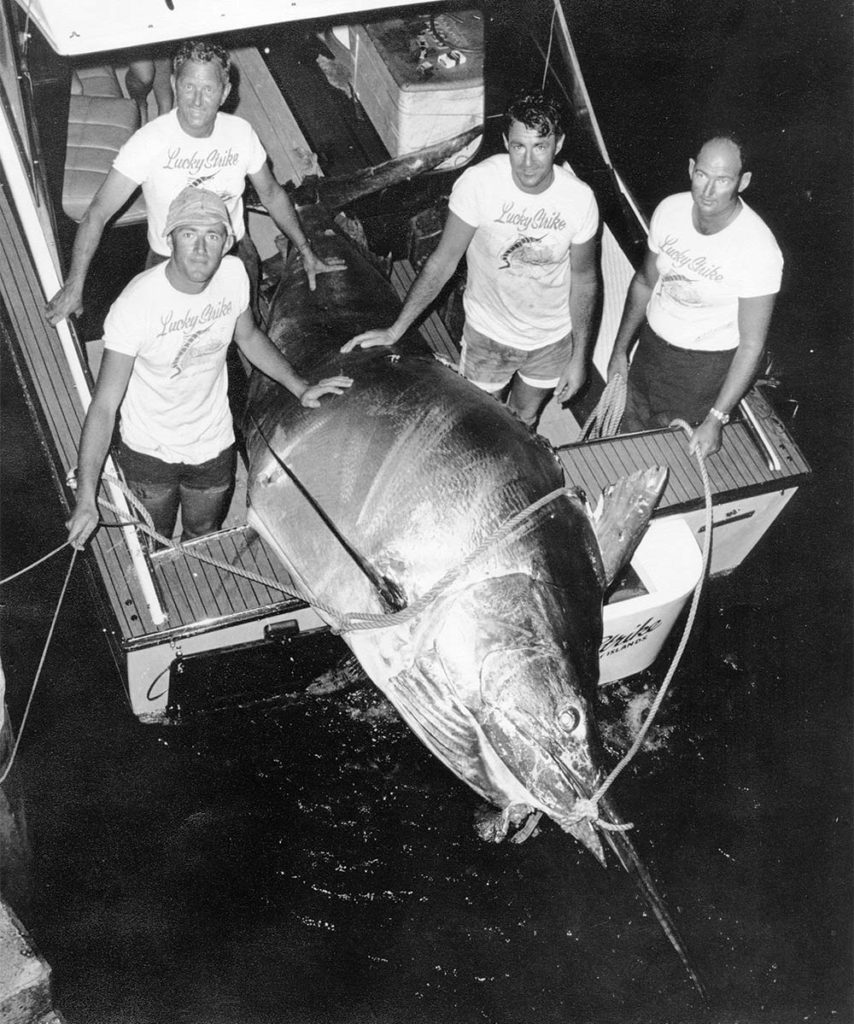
x,y
739,465
197,591
433,331
38,347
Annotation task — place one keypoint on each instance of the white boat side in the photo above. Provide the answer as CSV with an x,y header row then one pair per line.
x,y
75,27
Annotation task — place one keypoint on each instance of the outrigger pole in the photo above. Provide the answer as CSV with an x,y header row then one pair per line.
x,y
586,107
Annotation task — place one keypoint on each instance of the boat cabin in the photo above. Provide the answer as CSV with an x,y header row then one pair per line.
x,y
330,89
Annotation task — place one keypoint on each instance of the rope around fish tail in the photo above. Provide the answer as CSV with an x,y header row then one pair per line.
x,y
357,621
590,808
345,621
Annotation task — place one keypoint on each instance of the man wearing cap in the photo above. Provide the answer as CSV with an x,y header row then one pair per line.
x,y
165,343
193,144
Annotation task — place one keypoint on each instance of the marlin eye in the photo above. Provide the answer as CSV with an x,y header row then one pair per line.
x,y
570,719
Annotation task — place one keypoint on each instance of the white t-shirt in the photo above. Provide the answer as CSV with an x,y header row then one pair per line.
x,y
518,285
701,277
176,404
164,160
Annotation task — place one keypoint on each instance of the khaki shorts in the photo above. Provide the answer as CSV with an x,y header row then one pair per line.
x,y
490,364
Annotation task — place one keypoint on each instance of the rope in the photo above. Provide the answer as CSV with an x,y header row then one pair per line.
x,y
41,660
351,622
347,621
604,421
590,808
32,565
147,526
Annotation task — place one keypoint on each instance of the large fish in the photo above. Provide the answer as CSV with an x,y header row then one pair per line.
x,y
423,505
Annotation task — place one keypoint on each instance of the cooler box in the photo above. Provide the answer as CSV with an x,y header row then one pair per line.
x,y
420,79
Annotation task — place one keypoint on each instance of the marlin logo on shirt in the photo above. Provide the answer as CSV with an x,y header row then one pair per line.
x,y
520,251
200,181
186,345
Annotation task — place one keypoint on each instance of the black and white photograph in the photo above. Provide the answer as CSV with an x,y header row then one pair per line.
x,y
426,512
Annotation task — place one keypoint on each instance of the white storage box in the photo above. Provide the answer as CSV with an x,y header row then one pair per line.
x,y
420,79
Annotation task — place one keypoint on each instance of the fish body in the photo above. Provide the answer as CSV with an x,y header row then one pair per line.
x,y
420,502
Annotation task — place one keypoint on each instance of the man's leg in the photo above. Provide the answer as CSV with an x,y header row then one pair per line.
x,y
536,379
528,401
206,492
487,364
138,82
155,484
667,383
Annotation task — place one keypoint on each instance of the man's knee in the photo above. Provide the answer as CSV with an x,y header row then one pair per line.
x,y
160,501
527,401
203,510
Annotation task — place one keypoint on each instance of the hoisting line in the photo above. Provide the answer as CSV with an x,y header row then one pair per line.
x,y
8,767
589,809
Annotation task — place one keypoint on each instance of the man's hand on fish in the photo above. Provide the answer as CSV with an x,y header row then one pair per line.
x,y
82,524
370,339
67,300
314,265
310,398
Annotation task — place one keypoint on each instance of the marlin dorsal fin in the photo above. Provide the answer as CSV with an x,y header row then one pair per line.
x,y
622,514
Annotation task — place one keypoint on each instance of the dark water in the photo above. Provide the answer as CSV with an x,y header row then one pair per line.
x,y
310,862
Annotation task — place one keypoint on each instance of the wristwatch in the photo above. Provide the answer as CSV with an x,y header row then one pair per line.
x,y
721,417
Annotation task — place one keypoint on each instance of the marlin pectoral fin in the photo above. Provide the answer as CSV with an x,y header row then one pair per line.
x,y
625,509
442,723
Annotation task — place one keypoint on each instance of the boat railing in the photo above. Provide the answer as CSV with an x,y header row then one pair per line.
x,y
14,168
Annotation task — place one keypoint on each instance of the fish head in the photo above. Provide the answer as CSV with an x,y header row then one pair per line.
x,y
522,655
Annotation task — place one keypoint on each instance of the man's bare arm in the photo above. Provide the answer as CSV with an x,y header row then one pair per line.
x,y
286,219
109,199
754,318
634,310
98,426
263,354
583,297
434,275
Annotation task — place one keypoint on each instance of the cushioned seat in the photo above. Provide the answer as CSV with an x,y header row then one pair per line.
x,y
97,81
98,126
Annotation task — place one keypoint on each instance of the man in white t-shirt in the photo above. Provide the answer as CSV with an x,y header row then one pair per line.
x,y
193,144
700,304
528,230
165,344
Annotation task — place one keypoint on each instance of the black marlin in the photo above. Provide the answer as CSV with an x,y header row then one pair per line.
x,y
418,499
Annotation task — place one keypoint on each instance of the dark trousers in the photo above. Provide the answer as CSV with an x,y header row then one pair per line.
x,y
203,492
667,383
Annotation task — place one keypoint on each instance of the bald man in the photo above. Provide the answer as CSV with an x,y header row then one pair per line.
x,y
701,304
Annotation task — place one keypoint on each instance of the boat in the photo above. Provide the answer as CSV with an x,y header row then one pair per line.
x,y
65,112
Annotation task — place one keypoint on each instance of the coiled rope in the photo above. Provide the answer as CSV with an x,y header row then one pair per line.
x,y
604,421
